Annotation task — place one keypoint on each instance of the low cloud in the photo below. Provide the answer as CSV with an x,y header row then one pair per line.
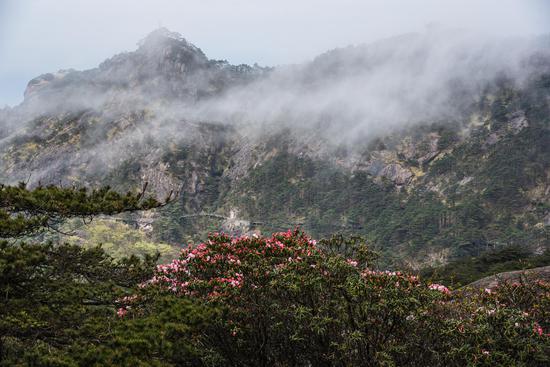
x,y
344,96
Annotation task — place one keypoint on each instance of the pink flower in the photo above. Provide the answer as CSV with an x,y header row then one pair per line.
x,y
121,312
439,288
488,290
128,299
537,329
352,262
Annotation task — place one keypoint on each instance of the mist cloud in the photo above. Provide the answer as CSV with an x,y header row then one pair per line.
x,y
345,96
367,90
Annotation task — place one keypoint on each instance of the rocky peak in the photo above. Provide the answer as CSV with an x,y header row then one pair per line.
x,y
171,46
165,66
44,80
163,36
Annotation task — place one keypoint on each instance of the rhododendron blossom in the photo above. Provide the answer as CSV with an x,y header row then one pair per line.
x,y
284,285
239,271
440,288
215,267
538,329
121,312
352,262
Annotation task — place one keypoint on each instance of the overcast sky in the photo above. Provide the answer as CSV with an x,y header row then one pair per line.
x,y
40,36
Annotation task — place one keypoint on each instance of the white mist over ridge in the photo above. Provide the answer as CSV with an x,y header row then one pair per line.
x,y
368,90
346,96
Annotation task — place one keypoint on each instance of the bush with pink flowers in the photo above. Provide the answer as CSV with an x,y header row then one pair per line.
x,y
284,300
287,301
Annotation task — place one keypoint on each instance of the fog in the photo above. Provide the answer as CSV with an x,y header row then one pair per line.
x,y
371,89
346,96
391,78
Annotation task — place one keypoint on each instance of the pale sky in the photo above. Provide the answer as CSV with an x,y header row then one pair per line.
x,y
40,36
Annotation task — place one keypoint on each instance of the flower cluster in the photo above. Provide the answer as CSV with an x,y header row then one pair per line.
x,y
125,304
224,264
285,285
121,312
352,262
440,288
214,268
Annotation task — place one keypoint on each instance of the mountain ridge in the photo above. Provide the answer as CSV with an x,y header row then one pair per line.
x,y
429,160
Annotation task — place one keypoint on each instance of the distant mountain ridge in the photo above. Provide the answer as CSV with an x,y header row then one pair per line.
x,y
165,66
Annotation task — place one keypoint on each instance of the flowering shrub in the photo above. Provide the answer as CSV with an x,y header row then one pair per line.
x,y
440,288
531,296
215,268
286,302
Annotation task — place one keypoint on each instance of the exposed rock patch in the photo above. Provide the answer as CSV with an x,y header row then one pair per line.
x,y
542,273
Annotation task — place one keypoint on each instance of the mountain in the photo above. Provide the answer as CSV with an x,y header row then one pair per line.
x,y
434,146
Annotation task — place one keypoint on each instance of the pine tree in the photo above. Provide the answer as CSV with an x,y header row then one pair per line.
x,y
25,212
55,296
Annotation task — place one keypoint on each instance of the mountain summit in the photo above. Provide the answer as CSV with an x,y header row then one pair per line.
x,y
165,66
162,38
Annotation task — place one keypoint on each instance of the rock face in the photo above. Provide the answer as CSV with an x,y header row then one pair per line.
x,y
530,275
315,145
160,179
396,173
36,84
234,224
165,66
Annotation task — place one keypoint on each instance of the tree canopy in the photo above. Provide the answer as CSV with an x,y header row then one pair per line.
x,y
25,211
281,300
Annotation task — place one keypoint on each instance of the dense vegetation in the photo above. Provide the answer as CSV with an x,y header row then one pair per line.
x,y
284,300
118,238
25,212
479,177
483,185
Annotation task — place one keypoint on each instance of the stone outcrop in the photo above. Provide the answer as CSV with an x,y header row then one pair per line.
x,y
541,273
